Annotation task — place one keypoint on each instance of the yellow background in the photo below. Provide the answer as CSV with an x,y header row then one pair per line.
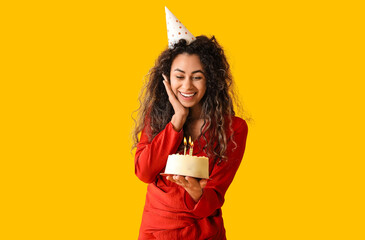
x,y
71,72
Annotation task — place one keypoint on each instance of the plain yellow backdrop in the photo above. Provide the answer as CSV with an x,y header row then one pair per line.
x,y
71,73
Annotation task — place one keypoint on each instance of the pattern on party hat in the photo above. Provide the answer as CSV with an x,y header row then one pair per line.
x,y
176,30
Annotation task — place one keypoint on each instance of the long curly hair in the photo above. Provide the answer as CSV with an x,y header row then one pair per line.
x,y
217,103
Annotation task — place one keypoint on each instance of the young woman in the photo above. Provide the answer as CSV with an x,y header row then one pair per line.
x,y
188,94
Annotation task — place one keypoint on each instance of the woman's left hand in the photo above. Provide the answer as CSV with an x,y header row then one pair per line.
x,y
191,185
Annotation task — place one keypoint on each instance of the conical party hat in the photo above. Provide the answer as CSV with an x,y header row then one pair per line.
x,y
176,30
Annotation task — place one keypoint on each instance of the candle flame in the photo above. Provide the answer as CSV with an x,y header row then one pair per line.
x,y
185,141
191,146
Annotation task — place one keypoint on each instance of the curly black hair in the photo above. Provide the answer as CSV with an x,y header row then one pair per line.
x,y
217,103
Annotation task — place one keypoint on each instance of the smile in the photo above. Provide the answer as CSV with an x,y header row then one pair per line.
x,y
187,95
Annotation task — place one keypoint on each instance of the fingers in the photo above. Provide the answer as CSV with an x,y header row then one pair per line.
x,y
167,86
179,180
164,77
191,180
181,112
170,93
187,182
203,183
194,181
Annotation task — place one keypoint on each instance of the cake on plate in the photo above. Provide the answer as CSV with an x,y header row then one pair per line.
x,y
186,165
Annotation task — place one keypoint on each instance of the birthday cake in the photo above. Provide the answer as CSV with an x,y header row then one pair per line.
x,y
186,165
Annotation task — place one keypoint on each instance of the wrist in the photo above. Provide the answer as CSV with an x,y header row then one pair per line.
x,y
178,122
196,195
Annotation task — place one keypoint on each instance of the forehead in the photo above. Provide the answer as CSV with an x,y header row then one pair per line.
x,y
187,62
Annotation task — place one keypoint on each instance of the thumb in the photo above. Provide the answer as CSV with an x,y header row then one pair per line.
x,y
203,183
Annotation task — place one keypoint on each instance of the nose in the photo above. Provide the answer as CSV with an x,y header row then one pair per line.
x,y
187,84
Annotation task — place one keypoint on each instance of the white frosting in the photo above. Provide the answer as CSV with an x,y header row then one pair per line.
x,y
187,165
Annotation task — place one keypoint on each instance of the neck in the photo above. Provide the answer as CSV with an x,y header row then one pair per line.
x,y
195,112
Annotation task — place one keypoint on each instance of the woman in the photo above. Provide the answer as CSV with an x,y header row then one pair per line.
x,y
188,94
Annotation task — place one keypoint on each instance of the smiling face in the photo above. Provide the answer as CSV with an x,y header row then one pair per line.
x,y
187,79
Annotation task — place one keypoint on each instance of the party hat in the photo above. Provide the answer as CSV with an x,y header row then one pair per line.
x,y
176,30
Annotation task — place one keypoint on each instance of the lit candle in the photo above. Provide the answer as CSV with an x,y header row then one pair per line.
x,y
184,145
191,147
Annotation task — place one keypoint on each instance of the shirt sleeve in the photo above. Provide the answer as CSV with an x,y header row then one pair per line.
x,y
221,176
150,158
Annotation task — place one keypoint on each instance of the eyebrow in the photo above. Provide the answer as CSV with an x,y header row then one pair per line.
x,y
179,70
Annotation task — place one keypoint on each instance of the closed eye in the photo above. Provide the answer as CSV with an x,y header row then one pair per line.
x,y
179,77
197,78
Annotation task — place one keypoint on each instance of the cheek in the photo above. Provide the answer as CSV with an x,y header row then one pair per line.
x,y
203,88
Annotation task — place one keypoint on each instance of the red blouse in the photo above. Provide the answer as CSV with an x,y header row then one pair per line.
x,y
169,212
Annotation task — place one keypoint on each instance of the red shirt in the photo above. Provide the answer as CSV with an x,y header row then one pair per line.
x,y
169,212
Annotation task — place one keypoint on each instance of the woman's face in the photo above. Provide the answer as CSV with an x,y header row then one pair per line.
x,y
187,79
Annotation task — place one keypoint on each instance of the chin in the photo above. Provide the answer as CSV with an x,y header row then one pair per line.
x,y
188,105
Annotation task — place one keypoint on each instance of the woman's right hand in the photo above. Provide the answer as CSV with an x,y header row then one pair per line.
x,y
181,112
